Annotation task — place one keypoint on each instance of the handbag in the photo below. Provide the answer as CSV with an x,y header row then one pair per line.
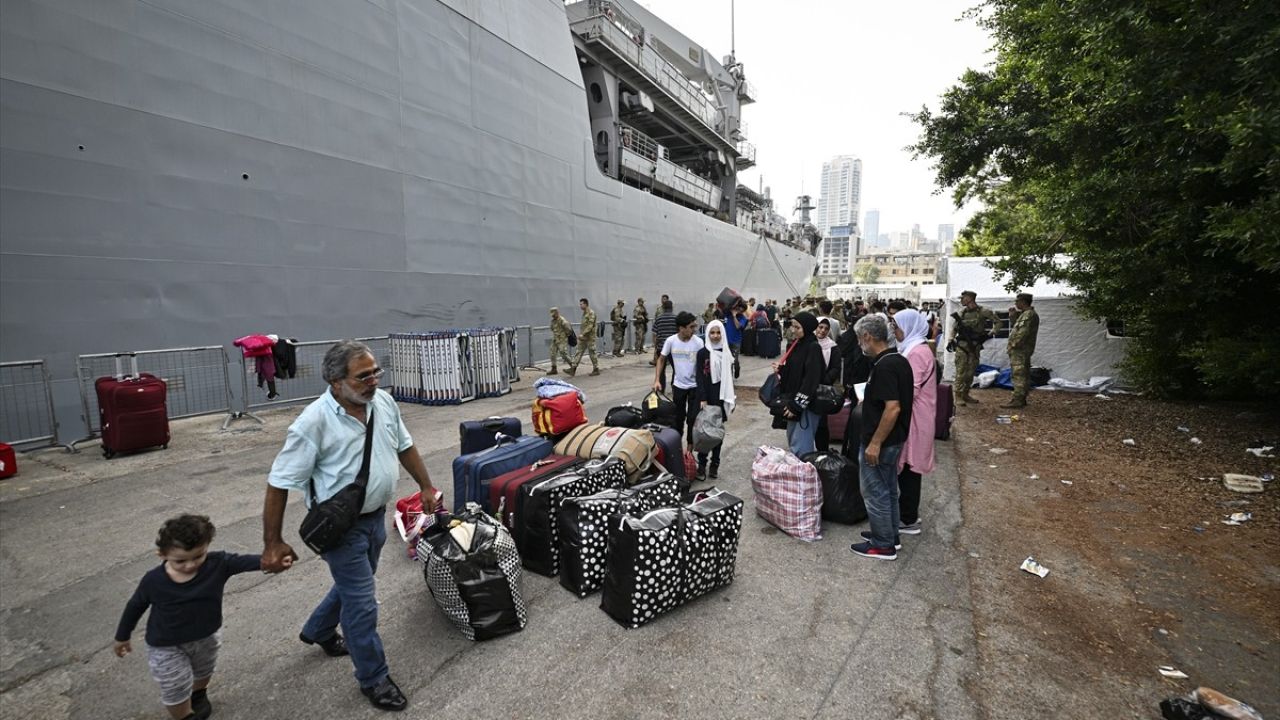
x,y
573,339
708,429
826,401
327,523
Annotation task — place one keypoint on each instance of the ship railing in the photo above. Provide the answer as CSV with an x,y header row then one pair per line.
x,y
639,143
299,381
746,152
629,44
197,379
27,417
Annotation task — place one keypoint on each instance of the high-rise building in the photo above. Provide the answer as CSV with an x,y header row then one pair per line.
x,y
838,250
871,228
841,199
946,234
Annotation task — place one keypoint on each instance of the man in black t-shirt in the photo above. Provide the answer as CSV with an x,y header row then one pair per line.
x,y
886,418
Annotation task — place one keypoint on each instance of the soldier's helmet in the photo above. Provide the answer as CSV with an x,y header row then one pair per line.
x,y
621,303
554,311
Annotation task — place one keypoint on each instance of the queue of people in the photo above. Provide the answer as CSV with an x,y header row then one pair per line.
x,y
355,424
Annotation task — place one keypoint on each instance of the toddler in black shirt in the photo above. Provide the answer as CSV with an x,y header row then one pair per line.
x,y
185,597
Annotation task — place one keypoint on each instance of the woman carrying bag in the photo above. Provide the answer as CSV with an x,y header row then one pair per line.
x,y
715,388
801,370
831,376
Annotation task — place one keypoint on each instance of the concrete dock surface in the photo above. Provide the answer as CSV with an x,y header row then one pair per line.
x,y
806,630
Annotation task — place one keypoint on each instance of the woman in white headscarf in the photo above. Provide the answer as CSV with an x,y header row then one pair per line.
x,y
917,452
715,387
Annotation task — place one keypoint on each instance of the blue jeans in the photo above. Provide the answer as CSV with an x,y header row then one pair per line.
x,y
351,600
879,485
801,433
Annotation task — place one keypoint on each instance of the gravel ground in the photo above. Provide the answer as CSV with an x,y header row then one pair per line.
x,y
1143,572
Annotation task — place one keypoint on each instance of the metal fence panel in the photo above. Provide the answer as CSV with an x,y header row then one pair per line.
x,y
26,404
197,378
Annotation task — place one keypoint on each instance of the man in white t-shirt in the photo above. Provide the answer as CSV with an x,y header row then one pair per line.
x,y
681,350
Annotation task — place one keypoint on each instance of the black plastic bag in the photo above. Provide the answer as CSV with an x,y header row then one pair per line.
x,y
477,588
841,493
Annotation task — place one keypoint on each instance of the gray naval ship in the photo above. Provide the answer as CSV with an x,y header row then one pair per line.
x,y
185,172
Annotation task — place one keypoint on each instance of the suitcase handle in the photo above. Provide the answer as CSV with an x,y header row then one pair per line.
x,y
133,366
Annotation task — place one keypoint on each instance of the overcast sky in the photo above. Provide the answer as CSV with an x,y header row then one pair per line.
x,y
832,77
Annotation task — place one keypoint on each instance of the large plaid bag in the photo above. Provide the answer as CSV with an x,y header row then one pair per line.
x,y
539,509
474,575
584,528
667,557
788,493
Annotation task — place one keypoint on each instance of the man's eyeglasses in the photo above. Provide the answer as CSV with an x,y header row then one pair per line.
x,y
368,378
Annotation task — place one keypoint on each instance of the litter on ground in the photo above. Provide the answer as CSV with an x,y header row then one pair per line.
x,y
1242,483
1033,567
1130,442
1171,672
1238,518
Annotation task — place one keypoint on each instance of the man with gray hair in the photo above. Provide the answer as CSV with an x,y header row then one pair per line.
x,y
886,419
323,452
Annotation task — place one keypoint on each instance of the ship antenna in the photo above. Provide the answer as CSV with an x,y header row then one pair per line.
x,y
732,19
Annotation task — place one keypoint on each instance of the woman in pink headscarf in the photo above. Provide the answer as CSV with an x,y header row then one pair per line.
x,y
917,453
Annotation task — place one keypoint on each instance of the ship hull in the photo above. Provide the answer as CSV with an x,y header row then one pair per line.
x,y
186,172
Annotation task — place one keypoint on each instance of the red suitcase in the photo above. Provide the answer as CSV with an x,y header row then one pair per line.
x,y
131,411
8,461
504,490
946,410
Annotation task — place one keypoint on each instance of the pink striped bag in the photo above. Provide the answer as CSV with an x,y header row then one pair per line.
x,y
788,493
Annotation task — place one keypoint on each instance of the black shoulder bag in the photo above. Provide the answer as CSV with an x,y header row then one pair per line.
x,y
326,523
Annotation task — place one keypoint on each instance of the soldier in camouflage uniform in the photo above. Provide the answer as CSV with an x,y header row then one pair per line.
x,y
560,329
586,339
640,319
1022,343
618,317
973,327
709,314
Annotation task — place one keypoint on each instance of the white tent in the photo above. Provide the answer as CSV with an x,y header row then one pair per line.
x,y
1071,347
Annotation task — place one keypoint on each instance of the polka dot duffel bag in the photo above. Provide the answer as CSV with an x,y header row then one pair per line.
x,y
667,557
473,571
584,527
540,507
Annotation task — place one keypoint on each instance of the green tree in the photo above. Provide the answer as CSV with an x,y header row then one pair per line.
x,y
1141,140
866,273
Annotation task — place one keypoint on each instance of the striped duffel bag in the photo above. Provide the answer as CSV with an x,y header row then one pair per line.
x,y
635,446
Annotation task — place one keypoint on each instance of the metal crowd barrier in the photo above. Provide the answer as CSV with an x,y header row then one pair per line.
x,y
197,378
26,405
304,383
450,367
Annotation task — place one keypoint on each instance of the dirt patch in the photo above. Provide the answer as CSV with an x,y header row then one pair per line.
x,y
1142,571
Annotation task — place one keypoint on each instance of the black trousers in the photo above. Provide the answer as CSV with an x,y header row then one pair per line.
x,y
686,402
908,495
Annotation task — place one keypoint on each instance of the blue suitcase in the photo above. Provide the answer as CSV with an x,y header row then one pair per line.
x,y
768,343
472,473
477,435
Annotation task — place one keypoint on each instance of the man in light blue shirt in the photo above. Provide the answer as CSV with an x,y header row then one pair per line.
x,y
325,445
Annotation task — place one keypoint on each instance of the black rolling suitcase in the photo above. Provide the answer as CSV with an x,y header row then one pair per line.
x,y
768,343
477,435
749,341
